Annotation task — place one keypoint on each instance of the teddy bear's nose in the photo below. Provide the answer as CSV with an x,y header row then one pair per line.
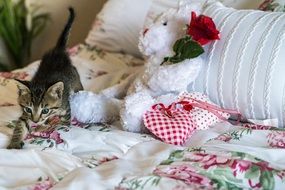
x,y
145,31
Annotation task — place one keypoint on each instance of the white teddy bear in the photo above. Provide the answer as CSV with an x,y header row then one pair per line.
x,y
156,83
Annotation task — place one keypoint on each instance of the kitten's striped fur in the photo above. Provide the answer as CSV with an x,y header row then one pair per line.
x,y
47,94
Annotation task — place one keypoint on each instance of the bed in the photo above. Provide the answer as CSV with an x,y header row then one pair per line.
x,y
103,156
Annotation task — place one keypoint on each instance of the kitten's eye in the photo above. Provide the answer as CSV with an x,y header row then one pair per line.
x,y
27,109
45,111
165,24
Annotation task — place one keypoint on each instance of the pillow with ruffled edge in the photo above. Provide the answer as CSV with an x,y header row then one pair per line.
x,y
118,25
245,68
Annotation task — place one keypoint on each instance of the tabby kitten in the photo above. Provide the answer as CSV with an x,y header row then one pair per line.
x,y
47,94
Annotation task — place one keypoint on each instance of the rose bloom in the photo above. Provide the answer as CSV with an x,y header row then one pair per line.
x,y
209,160
185,173
224,137
276,139
43,185
240,166
202,29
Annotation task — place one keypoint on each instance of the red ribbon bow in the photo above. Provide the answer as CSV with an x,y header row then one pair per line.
x,y
188,106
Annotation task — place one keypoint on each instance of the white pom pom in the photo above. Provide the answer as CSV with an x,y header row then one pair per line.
x,y
88,107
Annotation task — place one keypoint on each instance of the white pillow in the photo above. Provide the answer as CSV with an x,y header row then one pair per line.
x,y
118,25
245,68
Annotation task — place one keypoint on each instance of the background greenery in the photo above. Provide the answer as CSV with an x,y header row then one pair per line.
x,y
20,22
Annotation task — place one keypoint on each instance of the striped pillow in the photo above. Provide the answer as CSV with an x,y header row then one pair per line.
x,y
245,70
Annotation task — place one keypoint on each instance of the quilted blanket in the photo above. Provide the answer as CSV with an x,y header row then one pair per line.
x,y
226,156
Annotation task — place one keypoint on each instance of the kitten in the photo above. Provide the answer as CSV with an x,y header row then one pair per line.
x,y
47,94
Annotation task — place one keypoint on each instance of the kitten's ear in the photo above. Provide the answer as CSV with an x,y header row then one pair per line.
x,y
56,90
23,87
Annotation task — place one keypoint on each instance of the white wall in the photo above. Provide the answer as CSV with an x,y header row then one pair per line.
x,y
86,11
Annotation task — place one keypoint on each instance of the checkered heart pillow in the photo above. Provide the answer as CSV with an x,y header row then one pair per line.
x,y
177,122
172,125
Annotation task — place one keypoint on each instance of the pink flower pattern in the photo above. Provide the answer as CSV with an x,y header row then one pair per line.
x,y
264,166
185,173
74,50
16,75
106,159
224,137
208,160
240,166
54,135
281,174
43,185
256,127
254,185
77,123
276,139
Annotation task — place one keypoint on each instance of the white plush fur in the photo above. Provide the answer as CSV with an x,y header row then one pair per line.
x,y
89,107
156,83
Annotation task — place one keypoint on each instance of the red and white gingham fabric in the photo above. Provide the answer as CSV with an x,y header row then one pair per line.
x,y
176,123
172,128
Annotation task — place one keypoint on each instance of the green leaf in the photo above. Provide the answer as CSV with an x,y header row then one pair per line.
x,y
226,174
253,172
221,184
13,30
267,180
156,180
241,155
184,48
177,154
166,162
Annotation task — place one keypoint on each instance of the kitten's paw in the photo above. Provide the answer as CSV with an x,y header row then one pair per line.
x,y
15,145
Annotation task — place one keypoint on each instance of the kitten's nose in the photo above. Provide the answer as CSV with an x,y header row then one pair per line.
x,y
36,118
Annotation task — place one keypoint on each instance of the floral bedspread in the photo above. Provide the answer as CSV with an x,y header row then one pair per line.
x,y
102,156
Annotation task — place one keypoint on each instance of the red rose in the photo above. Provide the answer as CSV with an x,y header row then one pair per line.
x,y
202,29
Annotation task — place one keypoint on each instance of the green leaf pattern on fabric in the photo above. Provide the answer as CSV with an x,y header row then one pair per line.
x,y
235,135
201,167
139,183
232,170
